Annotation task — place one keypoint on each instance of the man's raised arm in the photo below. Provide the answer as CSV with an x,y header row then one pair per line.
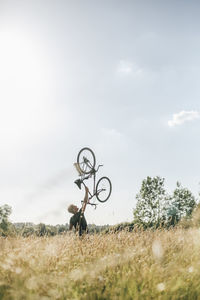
x,y
85,201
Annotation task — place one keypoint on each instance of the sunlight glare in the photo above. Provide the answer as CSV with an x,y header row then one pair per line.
x,y
24,82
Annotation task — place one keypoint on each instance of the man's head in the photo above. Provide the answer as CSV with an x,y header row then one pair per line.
x,y
73,209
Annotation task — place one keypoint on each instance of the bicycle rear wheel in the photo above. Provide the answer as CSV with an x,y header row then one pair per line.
x,y
86,160
103,189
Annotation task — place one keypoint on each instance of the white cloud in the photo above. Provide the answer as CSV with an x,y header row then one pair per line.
x,y
182,117
127,67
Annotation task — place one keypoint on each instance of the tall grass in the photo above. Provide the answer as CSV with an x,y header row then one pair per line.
x,y
126,265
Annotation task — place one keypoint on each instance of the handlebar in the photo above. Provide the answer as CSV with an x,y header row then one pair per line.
x,y
93,204
98,167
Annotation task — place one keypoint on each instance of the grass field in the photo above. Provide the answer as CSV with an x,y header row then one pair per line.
x,y
136,265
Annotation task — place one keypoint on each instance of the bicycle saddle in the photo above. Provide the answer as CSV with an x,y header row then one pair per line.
x,y
78,183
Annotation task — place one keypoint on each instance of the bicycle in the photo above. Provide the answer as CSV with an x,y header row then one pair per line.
x,y
102,190
85,166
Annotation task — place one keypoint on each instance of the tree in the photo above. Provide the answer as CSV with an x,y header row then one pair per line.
x,y
28,231
180,204
150,201
62,228
41,230
5,225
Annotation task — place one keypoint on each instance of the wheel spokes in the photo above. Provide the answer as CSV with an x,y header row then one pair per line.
x,y
86,160
85,163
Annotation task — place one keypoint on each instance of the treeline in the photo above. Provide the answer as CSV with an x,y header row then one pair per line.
x,y
27,229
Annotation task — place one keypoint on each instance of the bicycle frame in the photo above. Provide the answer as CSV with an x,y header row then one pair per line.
x,y
92,173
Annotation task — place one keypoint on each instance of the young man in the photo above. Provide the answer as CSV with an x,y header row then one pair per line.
x,y
78,215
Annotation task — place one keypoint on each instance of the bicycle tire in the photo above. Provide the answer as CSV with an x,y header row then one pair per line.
x,y
86,167
105,194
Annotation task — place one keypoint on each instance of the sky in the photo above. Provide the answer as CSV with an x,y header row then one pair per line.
x,y
120,77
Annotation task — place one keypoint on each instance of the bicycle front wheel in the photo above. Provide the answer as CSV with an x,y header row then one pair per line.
x,y
103,189
86,160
